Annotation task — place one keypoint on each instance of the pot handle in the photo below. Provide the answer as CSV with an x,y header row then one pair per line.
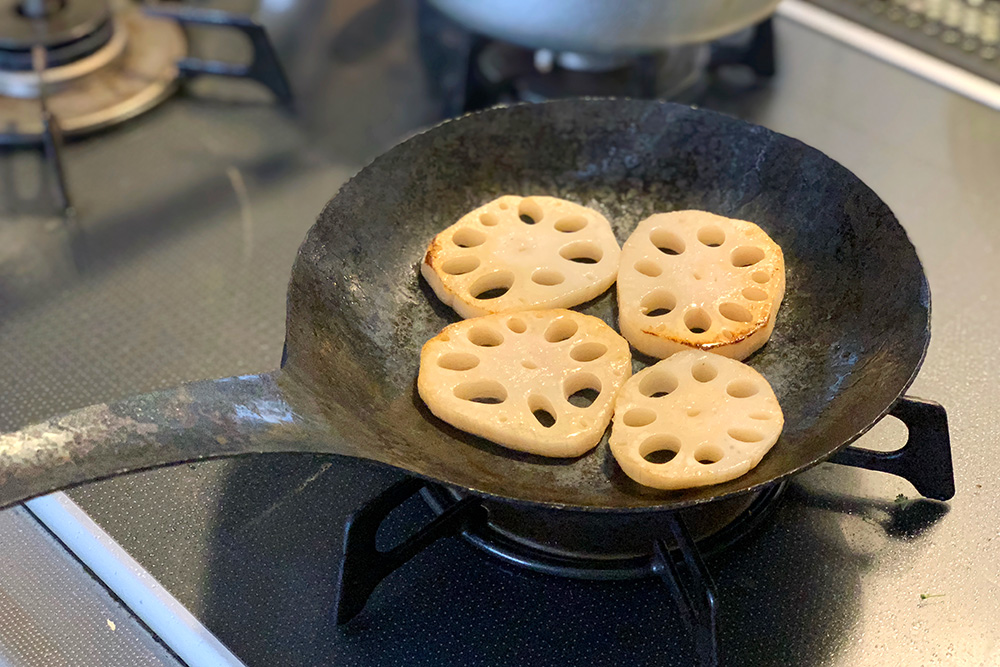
x,y
925,459
212,418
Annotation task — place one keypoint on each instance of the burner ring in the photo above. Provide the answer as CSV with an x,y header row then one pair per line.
x,y
716,526
73,21
59,55
112,85
26,85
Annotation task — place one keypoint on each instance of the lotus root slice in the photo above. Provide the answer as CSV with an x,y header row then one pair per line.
x,y
542,382
695,280
522,253
692,420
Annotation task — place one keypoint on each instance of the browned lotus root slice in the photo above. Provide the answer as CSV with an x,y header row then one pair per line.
x,y
522,253
692,420
542,382
692,279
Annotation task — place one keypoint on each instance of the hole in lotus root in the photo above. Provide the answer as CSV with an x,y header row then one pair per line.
x,y
712,236
547,277
708,454
489,392
460,265
588,351
761,277
648,268
492,286
741,389
560,330
458,361
667,242
747,255
530,212
517,325
467,237
657,304
542,409
484,335
735,312
638,417
703,371
658,383
660,448
573,223
697,320
489,220
760,416
582,252
754,293
582,389
745,434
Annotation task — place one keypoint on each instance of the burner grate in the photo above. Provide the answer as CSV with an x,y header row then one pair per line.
x,y
924,460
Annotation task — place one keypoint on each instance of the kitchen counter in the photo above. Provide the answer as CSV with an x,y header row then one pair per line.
x,y
189,252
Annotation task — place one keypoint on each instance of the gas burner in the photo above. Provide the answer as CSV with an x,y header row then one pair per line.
x,y
668,544
68,33
501,73
96,69
507,73
604,546
68,67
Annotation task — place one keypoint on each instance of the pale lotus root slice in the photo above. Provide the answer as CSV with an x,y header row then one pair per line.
x,y
692,420
692,279
522,253
542,382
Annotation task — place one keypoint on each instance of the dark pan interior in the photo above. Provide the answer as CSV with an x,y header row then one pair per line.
x,y
849,337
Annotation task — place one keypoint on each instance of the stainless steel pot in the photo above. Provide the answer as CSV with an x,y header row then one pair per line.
x,y
606,26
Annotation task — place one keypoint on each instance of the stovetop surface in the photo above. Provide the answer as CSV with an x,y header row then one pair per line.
x,y
192,215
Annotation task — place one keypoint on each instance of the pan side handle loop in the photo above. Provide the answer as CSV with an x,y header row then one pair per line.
x,y
925,459
212,418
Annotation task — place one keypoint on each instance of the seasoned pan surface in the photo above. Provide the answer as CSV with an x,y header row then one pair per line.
x,y
849,338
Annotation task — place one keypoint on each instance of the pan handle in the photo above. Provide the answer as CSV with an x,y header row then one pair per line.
x,y
212,418
925,459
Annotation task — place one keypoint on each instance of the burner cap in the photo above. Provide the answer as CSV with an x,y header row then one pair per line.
x,y
68,29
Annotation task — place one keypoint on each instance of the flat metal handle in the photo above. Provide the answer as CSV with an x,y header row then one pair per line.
x,y
213,418
925,459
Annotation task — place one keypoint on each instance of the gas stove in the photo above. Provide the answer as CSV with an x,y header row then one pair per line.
x,y
69,68
847,566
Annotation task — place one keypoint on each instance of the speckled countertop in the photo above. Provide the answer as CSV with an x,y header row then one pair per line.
x,y
836,579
